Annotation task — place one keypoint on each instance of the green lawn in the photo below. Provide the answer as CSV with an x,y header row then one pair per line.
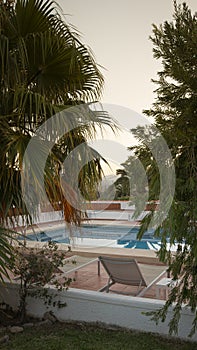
x,y
75,337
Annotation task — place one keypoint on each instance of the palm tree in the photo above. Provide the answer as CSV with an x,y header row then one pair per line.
x,y
44,69
122,184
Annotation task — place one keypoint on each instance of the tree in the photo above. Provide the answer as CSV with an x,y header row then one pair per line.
x,y
44,69
122,184
174,113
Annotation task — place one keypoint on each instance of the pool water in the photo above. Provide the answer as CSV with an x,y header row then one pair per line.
x,y
99,235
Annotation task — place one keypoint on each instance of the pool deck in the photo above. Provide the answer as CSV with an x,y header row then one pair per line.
x,y
87,278
141,255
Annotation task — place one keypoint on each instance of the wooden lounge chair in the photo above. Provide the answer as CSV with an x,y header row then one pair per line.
x,y
124,271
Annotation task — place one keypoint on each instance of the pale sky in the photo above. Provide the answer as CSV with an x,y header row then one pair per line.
x,y
117,31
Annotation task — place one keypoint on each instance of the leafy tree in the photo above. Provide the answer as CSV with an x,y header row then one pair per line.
x,y
174,113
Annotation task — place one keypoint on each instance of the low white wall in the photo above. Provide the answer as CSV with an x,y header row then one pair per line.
x,y
89,306
42,218
127,215
49,216
107,214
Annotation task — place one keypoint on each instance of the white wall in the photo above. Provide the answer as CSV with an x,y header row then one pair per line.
x,y
89,306
49,216
107,214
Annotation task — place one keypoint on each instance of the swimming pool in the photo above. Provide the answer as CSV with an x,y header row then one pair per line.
x,y
90,235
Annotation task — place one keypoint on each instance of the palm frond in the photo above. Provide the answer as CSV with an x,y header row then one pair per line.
x,y
6,253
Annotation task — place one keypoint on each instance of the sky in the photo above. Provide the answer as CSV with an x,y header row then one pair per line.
x,y
117,31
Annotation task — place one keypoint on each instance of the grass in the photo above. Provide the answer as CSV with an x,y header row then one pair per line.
x,y
86,337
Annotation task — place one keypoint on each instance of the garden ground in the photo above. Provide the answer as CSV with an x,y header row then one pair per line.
x,y
81,336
